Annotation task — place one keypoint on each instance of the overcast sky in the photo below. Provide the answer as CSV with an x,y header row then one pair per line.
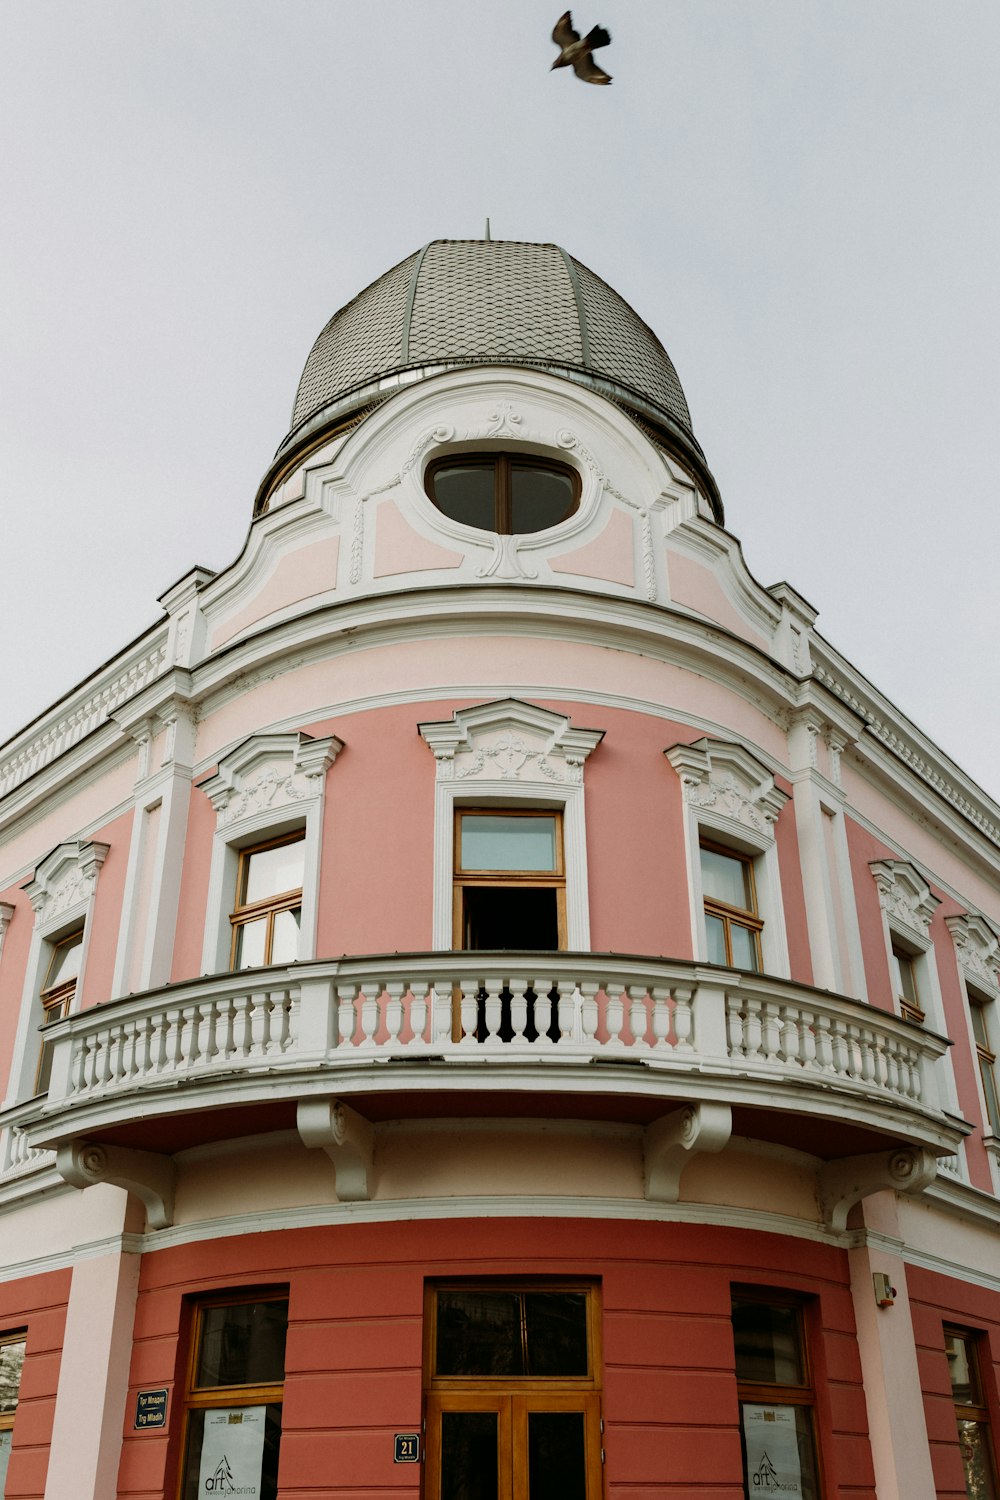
x,y
800,198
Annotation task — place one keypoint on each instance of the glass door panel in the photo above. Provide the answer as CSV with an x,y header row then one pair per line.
x,y
535,1446
468,1447
557,1446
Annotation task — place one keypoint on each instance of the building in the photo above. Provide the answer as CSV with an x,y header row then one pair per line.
x,y
492,1003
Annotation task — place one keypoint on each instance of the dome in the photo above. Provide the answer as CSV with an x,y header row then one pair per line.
x,y
478,302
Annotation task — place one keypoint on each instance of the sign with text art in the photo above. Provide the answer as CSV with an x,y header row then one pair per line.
x,y
232,1451
772,1448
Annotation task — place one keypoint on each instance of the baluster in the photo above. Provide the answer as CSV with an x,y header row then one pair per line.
x,y
469,1011
682,1017
116,1053
104,1073
420,1007
916,1076
519,1010
369,1016
904,1071
543,1010
753,1031
78,1073
394,1012
242,1026
225,1043
638,1018
807,1039
587,1011
790,1040
442,1018
853,1050
614,1019
770,1032
210,1012
737,1027
192,1028
492,1008
892,1067
824,1044
347,1013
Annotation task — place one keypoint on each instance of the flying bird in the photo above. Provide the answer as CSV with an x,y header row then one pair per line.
x,y
575,52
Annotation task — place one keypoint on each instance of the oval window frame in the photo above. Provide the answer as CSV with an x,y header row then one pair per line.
x,y
502,461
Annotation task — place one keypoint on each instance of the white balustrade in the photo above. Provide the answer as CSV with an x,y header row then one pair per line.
x,y
500,1011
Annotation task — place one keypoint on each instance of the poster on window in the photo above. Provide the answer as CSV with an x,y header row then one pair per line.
x,y
232,1451
773,1464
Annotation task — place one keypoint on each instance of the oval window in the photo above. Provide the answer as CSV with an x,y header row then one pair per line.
x,y
505,492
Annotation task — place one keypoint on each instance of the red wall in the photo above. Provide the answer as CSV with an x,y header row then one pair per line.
x,y
38,1304
934,1301
354,1356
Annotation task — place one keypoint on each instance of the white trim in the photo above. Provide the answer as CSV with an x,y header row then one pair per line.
x,y
62,897
728,792
508,753
268,785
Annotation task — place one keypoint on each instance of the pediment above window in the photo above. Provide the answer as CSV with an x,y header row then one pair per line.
x,y
64,880
977,948
728,786
268,772
905,897
509,741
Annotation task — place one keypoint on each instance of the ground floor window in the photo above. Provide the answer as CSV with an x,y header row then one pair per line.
x,y
233,1399
512,1393
11,1364
777,1401
971,1413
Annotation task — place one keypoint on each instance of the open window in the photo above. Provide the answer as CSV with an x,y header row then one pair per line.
x,y
983,1018
510,879
905,966
235,1383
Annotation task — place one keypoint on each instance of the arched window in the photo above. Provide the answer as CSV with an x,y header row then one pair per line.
x,y
510,493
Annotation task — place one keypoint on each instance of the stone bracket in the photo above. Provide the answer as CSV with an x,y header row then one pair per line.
x,y
845,1182
348,1140
149,1175
673,1141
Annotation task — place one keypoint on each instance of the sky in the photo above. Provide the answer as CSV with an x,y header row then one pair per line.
x,y
800,198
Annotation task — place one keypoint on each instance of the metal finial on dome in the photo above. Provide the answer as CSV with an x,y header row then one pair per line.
x,y
486,236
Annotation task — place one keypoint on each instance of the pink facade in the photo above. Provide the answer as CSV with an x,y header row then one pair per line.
x,y
491,1003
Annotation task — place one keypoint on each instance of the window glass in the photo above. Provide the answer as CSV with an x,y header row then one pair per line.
x,y
242,1343
11,1365
725,877
465,493
987,1062
768,1343
971,1413
512,1333
273,872
715,929
469,1455
508,843
539,498
285,946
64,964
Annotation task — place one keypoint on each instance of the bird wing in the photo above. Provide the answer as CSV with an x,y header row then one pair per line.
x,y
597,37
562,33
586,68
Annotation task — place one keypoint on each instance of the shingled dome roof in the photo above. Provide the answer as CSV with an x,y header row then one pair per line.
x,y
482,302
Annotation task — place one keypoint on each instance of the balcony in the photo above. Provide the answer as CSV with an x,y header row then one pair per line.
x,y
605,1037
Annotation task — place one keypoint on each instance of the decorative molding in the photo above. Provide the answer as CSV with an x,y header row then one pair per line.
x,y
348,1140
149,1175
64,880
845,1182
977,948
267,772
509,741
905,897
6,917
724,781
672,1142
570,441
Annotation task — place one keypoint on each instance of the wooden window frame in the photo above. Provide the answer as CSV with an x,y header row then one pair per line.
x,y
910,1007
514,879
208,1398
974,1411
502,465
268,906
56,1000
514,1397
769,1394
979,1014
735,916
12,1336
